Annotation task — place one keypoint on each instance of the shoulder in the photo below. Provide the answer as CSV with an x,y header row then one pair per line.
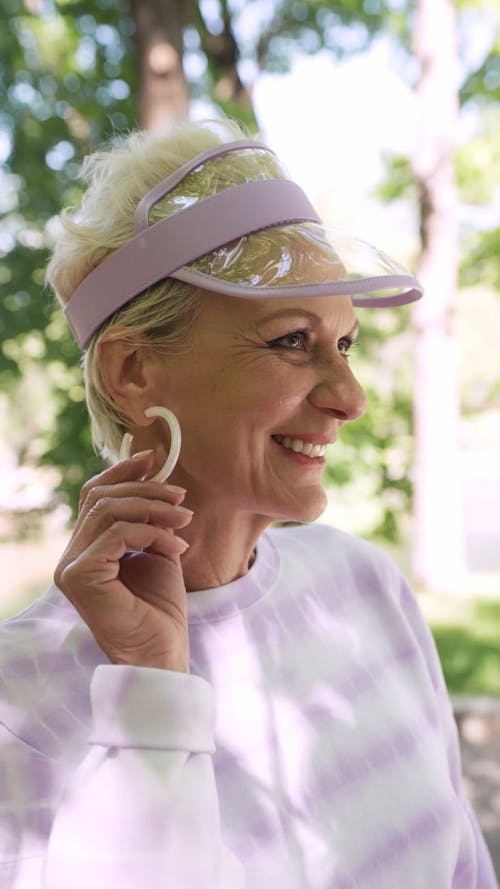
x,y
346,569
326,549
353,575
47,657
37,631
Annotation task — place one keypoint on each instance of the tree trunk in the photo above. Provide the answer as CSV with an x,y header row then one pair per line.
x,y
164,93
438,540
222,52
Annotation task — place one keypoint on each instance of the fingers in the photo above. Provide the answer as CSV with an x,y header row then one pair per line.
x,y
110,511
118,495
125,470
124,480
129,471
125,536
122,569
98,566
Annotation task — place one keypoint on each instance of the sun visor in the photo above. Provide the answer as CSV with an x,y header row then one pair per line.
x,y
238,226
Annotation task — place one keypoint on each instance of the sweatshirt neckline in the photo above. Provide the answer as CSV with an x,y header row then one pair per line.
x,y
219,603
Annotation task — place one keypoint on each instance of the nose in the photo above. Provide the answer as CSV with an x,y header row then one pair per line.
x,y
339,392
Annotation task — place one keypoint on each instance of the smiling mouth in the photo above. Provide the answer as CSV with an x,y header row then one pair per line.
x,y
301,447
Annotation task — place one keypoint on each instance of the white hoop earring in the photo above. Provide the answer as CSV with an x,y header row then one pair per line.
x,y
175,446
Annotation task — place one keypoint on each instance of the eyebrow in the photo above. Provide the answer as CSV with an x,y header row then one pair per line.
x,y
306,314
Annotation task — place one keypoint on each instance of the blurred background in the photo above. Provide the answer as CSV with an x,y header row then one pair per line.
x,y
387,113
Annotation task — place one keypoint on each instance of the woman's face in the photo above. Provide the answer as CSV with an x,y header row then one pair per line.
x,y
259,373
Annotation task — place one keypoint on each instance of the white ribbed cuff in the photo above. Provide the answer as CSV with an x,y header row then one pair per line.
x,y
151,708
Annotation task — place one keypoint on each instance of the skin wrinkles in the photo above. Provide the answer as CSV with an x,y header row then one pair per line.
x,y
285,322
289,314
321,346
231,394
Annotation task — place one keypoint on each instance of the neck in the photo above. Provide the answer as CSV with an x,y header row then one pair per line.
x,y
220,550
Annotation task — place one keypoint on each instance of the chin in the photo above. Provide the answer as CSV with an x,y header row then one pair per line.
x,y
309,510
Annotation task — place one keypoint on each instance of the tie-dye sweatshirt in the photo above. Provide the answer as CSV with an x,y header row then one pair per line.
x,y
312,746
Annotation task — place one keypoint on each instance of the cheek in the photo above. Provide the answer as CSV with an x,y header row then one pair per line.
x,y
278,406
265,413
236,406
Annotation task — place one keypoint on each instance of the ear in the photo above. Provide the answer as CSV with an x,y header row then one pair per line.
x,y
128,375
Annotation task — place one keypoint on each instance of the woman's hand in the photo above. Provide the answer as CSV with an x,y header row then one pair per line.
x,y
134,603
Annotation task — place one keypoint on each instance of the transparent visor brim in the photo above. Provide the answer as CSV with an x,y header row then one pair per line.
x,y
303,259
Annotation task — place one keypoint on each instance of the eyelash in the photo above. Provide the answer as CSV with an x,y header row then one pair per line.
x,y
277,343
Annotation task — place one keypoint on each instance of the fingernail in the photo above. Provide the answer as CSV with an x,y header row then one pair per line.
x,y
176,489
183,509
182,544
142,454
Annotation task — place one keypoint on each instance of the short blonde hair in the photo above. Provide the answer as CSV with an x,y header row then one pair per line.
x,y
116,179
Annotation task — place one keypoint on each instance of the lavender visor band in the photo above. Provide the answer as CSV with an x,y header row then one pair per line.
x,y
160,250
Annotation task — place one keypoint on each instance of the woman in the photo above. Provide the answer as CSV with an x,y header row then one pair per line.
x,y
202,700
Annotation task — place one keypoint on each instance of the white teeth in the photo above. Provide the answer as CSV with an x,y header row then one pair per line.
x,y
301,447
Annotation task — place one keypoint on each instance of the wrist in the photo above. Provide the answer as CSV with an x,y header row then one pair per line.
x,y
175,665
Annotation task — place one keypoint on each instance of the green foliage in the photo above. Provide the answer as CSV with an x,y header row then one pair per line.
x,y
378,446
70,448
399,180
466,632
478,174
67,83
482,86
343,27
478,161
482,259
477,324
224,35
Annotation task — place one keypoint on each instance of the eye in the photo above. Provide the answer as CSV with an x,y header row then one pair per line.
x,y
346,345
295,341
